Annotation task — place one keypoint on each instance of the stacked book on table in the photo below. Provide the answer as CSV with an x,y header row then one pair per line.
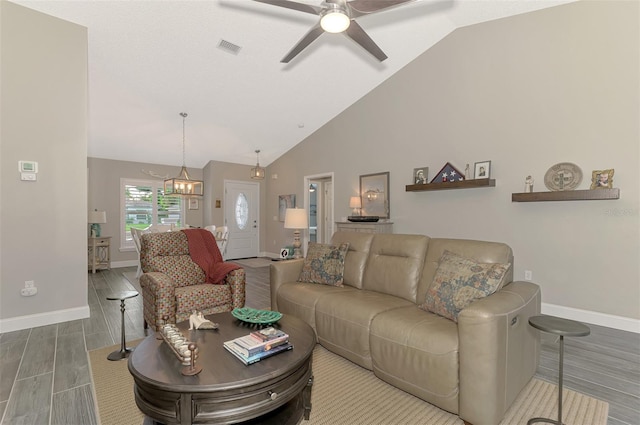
x,y
258,345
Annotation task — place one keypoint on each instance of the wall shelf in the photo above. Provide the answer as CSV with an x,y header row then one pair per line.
x,y
567,195
465,184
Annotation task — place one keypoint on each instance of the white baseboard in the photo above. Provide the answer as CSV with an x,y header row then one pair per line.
x,y
593,317
126,263
43,319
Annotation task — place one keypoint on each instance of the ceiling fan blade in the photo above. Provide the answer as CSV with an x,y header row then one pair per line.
x,y
365,7
358,35
313,33
315,10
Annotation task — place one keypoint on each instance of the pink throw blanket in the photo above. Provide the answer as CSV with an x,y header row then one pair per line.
x,y
204,251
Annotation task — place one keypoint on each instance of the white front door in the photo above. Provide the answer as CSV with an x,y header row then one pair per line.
x,y
241,213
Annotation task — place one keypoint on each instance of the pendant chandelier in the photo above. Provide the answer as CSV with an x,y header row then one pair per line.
x,y
257,172
182,185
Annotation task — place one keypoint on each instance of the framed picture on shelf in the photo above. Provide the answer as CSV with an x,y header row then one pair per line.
x,y
602,179
374,192
194,204
420,175
284,202
482,170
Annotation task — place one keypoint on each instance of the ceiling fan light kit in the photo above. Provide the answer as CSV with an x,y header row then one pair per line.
x,y
335,19
338,16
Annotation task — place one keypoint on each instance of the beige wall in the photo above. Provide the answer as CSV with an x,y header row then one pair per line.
x,y
43,230
525,92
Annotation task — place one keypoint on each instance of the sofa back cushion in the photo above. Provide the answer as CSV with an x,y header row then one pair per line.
x,y
168,253
395,264
480,251
356,258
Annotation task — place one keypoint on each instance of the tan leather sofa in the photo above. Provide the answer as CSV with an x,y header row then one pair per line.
x,y
474,368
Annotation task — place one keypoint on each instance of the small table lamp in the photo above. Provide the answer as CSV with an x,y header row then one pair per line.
x,y
96,218
356,204
296,218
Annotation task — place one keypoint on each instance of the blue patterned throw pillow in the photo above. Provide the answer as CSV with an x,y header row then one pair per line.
x,y
459,281
324,264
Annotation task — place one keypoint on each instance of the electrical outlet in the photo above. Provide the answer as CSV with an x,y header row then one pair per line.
x,y
528,275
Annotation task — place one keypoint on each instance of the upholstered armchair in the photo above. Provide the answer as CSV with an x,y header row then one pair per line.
x,y
174,285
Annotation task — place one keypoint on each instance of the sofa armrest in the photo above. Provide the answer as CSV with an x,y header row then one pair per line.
x,y
281,272
160,291
498,351
236,279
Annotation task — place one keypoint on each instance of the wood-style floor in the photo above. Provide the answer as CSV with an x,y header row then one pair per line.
x,y
45,378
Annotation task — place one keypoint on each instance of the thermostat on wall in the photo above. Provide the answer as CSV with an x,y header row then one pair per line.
x,y
28,166
28,170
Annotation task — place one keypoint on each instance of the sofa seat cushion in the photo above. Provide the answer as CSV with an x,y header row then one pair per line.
x,y
202,297
343,320
417,351
299,299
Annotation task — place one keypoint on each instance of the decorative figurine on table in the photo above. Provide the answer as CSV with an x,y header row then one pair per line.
x,y
198,321
528,184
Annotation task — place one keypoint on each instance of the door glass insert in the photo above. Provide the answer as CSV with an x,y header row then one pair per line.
x,y
242,211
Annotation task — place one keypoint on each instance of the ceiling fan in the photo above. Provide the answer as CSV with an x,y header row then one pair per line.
x,y
338,16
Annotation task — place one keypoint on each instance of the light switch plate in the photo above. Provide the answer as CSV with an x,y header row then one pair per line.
x,y
28,177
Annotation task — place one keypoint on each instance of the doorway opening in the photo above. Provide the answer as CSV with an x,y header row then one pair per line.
x,y
318,197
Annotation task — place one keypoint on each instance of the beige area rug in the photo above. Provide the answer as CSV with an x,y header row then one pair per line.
x,y
346,394
253,262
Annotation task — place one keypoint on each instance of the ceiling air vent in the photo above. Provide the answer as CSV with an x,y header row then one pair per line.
x,y
229,47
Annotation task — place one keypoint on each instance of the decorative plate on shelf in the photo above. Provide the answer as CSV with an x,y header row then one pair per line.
x,y
251,315
563,176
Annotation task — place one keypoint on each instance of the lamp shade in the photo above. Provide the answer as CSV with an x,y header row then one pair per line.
x,y
296,218
96,216
355,202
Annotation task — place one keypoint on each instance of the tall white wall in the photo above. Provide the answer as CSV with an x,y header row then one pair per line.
x,y
43,224
526,92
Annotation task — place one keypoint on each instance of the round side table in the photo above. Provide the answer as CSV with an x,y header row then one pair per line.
x,y
124,351
561,327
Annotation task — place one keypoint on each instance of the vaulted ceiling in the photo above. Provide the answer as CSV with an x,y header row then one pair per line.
x,y
151,60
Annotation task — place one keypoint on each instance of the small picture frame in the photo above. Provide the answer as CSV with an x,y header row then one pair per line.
x,y
602,179
193,204
284,202
420,175
482,170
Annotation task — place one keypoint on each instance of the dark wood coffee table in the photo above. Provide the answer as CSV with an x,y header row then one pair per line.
x,y
276,390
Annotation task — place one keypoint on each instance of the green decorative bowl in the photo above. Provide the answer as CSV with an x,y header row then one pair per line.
x,y
251,315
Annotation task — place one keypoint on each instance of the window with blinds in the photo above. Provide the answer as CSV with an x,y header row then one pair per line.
x,y
144,204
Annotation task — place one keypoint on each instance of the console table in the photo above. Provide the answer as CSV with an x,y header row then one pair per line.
x,y
365,227
99,253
